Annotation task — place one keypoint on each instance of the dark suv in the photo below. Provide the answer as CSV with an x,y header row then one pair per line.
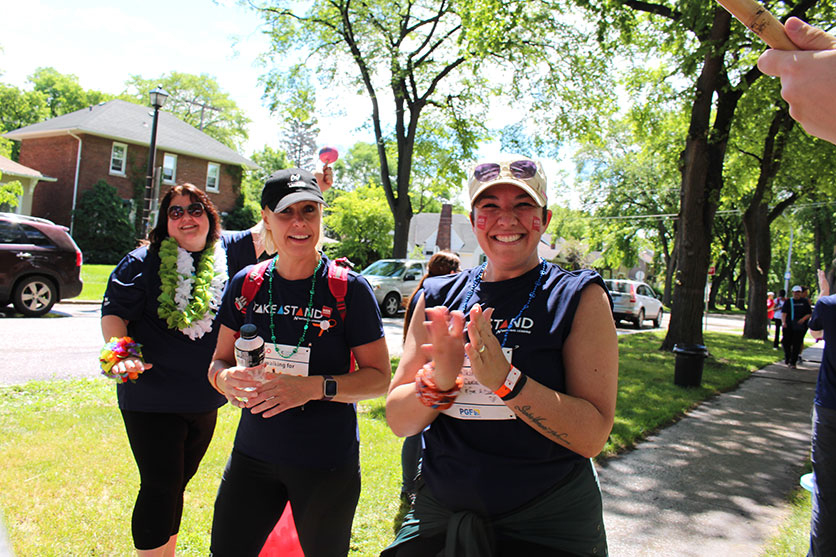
x,y
39,264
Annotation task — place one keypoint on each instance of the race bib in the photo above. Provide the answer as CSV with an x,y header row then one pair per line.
x,y
295,364
477,402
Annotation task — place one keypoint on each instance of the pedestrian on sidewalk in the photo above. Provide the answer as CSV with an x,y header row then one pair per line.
x,y
777,317
796,314
823,522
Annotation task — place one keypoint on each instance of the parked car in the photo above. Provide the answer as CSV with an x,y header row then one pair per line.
x,y
393,280
634,301
39,264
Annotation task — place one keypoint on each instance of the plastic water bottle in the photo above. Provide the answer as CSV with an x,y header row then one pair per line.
x,y
249,349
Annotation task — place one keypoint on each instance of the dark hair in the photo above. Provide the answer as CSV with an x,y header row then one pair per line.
x,y
160,232
441,263
782,293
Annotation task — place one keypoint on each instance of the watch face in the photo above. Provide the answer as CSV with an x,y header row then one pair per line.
x,y
330,388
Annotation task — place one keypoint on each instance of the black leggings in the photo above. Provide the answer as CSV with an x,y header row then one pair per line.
x,y
253,494
167,449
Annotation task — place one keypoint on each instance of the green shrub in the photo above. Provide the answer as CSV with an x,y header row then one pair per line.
x,y
244,215
102,226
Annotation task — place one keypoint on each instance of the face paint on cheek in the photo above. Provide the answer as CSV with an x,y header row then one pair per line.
x,y
535,224
481,222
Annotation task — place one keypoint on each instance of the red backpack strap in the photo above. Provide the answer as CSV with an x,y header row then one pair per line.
x,y
251,285
338,284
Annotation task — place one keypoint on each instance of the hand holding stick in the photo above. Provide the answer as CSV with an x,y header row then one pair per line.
x,y
760,21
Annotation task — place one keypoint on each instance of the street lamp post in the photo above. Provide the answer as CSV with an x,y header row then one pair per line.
x,y
158,97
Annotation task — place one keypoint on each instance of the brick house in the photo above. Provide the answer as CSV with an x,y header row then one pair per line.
x,y
110,142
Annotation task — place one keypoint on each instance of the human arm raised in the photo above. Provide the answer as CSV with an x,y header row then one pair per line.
x,y
581,418
442,337
808,77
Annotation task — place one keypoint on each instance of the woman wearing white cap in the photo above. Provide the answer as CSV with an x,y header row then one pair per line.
x,y
297,438
515,374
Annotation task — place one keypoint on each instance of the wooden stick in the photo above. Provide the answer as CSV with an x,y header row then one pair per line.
x,y
760,21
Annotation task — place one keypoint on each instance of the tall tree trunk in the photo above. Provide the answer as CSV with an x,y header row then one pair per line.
x,y
740,297
699,191
758,262
756,221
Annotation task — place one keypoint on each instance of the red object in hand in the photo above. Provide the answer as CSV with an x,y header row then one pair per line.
x,y
328,155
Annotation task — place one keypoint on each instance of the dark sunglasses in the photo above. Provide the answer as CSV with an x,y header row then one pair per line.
x,y
194,209
488,171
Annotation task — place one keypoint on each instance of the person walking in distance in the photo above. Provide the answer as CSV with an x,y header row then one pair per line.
x,y
796,312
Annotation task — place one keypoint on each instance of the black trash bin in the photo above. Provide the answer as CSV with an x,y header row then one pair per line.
x,y
689,362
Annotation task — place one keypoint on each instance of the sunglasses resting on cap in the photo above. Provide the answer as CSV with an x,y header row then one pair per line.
x,y
516,170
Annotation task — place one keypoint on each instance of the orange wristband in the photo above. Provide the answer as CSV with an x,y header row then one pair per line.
x,y
510,382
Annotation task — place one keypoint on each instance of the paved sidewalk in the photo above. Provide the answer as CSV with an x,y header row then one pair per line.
x,y
716,482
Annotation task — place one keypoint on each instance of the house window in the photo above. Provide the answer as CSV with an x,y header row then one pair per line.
x,y
118,158
169,168
213,177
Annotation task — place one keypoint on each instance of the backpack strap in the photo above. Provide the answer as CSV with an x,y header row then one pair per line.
x,y
251,285
338,284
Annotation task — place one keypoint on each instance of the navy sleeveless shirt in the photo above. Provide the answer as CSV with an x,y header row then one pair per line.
x,y
494,466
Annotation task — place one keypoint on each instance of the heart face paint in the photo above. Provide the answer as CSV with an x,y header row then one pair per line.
x,y
481,221
535,224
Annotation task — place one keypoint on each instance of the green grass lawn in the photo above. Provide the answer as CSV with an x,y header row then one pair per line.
x,y
95,281
68,480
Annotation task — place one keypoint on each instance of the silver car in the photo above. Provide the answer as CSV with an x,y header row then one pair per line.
x,y
634,301
393,280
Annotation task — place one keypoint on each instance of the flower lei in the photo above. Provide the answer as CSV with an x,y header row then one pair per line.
x,y
190,298
116,350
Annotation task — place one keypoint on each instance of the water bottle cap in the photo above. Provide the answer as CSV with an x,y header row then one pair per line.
x,y
249,331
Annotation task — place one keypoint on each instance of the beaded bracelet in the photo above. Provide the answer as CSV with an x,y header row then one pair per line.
x,y
428,393
116,350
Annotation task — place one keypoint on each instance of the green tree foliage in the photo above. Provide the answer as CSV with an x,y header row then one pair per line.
x,y
102,226
63,93
268,160
293,97
18,108
716,58
9,193
197,100
433,59
361,222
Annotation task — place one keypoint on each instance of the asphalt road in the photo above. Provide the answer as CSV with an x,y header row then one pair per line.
x,y
65,344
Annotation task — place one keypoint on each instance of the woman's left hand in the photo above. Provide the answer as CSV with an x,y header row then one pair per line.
x,y
280,392
487,361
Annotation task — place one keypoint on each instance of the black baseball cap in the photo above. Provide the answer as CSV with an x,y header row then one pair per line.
x,y
288,186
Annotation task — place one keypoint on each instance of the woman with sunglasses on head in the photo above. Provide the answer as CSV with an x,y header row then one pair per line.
x,y
297,438
512,369
157,314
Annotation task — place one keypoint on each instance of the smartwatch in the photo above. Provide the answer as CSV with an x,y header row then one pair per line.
x,y
329,387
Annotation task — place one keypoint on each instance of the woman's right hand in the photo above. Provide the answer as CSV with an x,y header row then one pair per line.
x,y
446,348
237,383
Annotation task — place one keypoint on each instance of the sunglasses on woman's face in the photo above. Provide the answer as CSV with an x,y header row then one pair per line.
x,y
194,209
488,171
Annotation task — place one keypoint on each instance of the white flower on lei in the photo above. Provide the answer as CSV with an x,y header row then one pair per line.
x,y
182,294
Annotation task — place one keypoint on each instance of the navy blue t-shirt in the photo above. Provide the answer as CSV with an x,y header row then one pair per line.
x,y
794,310
177,382
824,319
493,466
319,434
240,250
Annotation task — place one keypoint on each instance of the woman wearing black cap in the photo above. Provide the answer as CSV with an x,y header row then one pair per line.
x,y
297,437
